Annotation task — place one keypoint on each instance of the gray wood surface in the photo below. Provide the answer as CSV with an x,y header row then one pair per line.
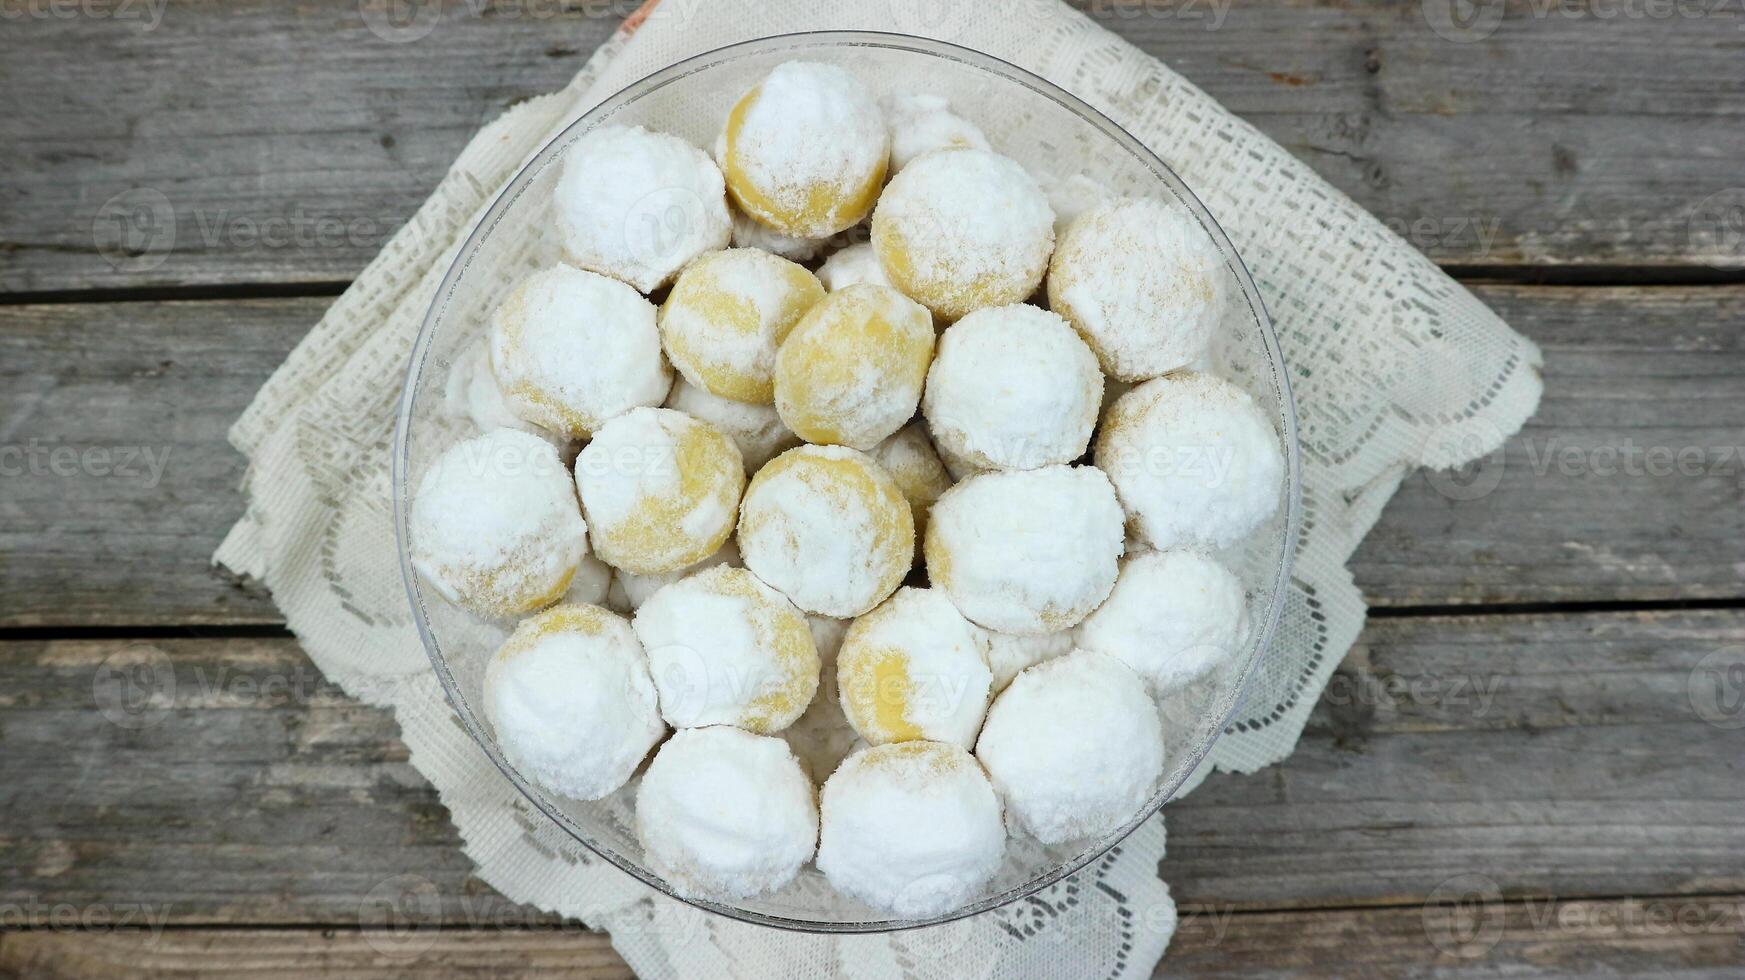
x,y
1629,370
289,140
1552,756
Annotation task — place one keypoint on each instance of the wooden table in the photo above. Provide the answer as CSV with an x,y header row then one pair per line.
x,y
1540,716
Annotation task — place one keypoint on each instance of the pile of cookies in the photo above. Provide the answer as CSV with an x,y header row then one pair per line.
x,y
856,542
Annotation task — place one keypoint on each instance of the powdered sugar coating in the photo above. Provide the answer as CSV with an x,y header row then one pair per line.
x,y
726,649
914,668
726,315
1013,387
756,429
924,123
637,206
822,737
1009,654
1143,283
592,583
725,814
495,526
857,263
571,349
912,829
1027,551
571,701
1193,459
1074,747
909,457
958,230
660,490
748,232
852,370
1173,617
471,393
804,151
829,528
1071,197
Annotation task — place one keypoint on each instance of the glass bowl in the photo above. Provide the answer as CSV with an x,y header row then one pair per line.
x,y
1043,127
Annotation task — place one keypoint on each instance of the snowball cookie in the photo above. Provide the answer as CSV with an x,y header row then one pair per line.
x,y
495,526
659,489
914,668
1173,617
1071,197
910,459
962,229
726,315
630,591
804,151
1029,551
857,263
912,829
852,370
571,701
923,123
571,349
1142,282
725,814
471,393
756,429
829,528
1194,460
726,649
747,233
1013,387
637,206
1008,655
1073,746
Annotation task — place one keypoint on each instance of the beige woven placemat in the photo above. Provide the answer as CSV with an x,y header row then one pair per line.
x,y
1394,366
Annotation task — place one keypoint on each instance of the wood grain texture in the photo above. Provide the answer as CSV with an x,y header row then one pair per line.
x,y
1545,756
1686,939
1629,371
287,141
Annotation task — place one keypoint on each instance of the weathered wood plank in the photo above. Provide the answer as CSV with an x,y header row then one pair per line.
x,y
288,141
1628,370
1538,755
1675,938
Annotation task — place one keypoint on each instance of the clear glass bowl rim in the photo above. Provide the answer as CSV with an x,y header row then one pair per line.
x,y
811,40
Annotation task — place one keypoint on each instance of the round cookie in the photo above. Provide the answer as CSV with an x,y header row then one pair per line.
x,y
726,649
829,528
857,263
1013,387
914,668
1073,746
659,489
1027,551
1173,617
571,349
852,370
924,123
725,814
1194,461
727,314
571,702
958,230
756,429
913,829
1143,283
494,525
804,151
637,206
